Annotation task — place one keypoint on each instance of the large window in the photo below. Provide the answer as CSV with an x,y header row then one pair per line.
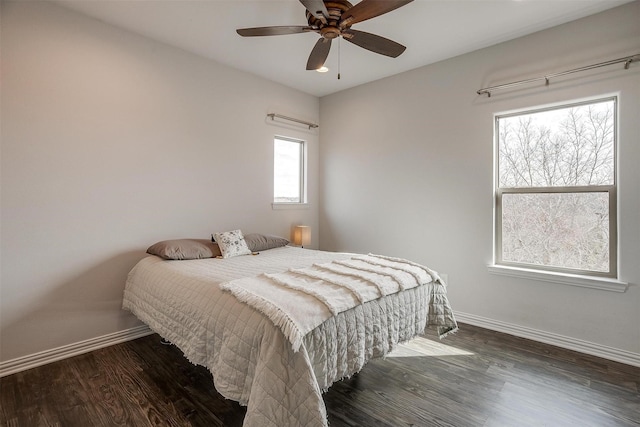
x,y
288,171
556,189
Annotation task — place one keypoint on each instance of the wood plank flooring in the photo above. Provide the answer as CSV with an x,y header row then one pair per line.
x,y
473,378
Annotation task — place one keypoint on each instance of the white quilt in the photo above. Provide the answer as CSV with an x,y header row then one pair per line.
x,y
250,358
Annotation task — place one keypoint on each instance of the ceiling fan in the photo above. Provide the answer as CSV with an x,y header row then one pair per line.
x,y
334,18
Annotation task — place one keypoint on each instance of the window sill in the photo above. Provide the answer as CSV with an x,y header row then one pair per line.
x,y
279,206
602,283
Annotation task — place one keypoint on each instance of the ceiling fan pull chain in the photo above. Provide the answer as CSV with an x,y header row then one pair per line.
x,y
339,43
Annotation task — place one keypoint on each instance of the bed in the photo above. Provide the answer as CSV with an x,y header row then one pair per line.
x,y
254,359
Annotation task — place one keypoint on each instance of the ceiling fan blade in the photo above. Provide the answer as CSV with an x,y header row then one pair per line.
x,y
368,9
374,43
316,8
319,54
272,31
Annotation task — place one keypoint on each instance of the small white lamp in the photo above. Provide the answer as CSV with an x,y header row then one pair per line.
x,y
302,235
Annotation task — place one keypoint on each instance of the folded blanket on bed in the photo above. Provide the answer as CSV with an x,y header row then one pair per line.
x,y
299,300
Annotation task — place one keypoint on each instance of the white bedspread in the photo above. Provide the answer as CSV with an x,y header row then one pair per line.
x,y
250,358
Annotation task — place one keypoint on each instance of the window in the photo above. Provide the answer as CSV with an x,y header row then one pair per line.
x,y
555,195
288,171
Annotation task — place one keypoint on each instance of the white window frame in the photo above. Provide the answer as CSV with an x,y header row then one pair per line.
x,y
302,203
585,278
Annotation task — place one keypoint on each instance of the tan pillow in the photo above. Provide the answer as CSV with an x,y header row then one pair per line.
x,y
185,249
261,242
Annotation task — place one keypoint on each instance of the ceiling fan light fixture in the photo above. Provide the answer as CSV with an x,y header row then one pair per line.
x,y
322,69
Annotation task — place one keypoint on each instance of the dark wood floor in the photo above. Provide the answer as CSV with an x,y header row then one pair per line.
x,y
473,378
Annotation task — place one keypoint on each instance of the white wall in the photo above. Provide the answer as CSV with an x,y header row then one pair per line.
x,y
406,169
110,142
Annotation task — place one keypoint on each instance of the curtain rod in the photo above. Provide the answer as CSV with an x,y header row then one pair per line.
x,y
627,61
291,119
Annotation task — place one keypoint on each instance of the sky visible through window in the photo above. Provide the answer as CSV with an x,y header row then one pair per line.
x,y
287,167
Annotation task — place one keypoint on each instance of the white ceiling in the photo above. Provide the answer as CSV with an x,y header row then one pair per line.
x,y
432,30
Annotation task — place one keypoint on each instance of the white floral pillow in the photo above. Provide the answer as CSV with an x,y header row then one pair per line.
x,y
232,243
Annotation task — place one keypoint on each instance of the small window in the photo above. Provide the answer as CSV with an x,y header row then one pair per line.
x,y
555,198
288,171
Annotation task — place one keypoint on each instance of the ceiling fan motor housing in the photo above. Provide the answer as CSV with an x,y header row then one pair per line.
x,y
331,27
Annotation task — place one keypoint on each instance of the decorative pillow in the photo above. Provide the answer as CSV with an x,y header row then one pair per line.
x,y
185,249
232,243
261,242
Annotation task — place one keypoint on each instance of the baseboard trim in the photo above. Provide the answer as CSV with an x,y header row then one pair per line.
x,y
610,353
42,358
48,356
